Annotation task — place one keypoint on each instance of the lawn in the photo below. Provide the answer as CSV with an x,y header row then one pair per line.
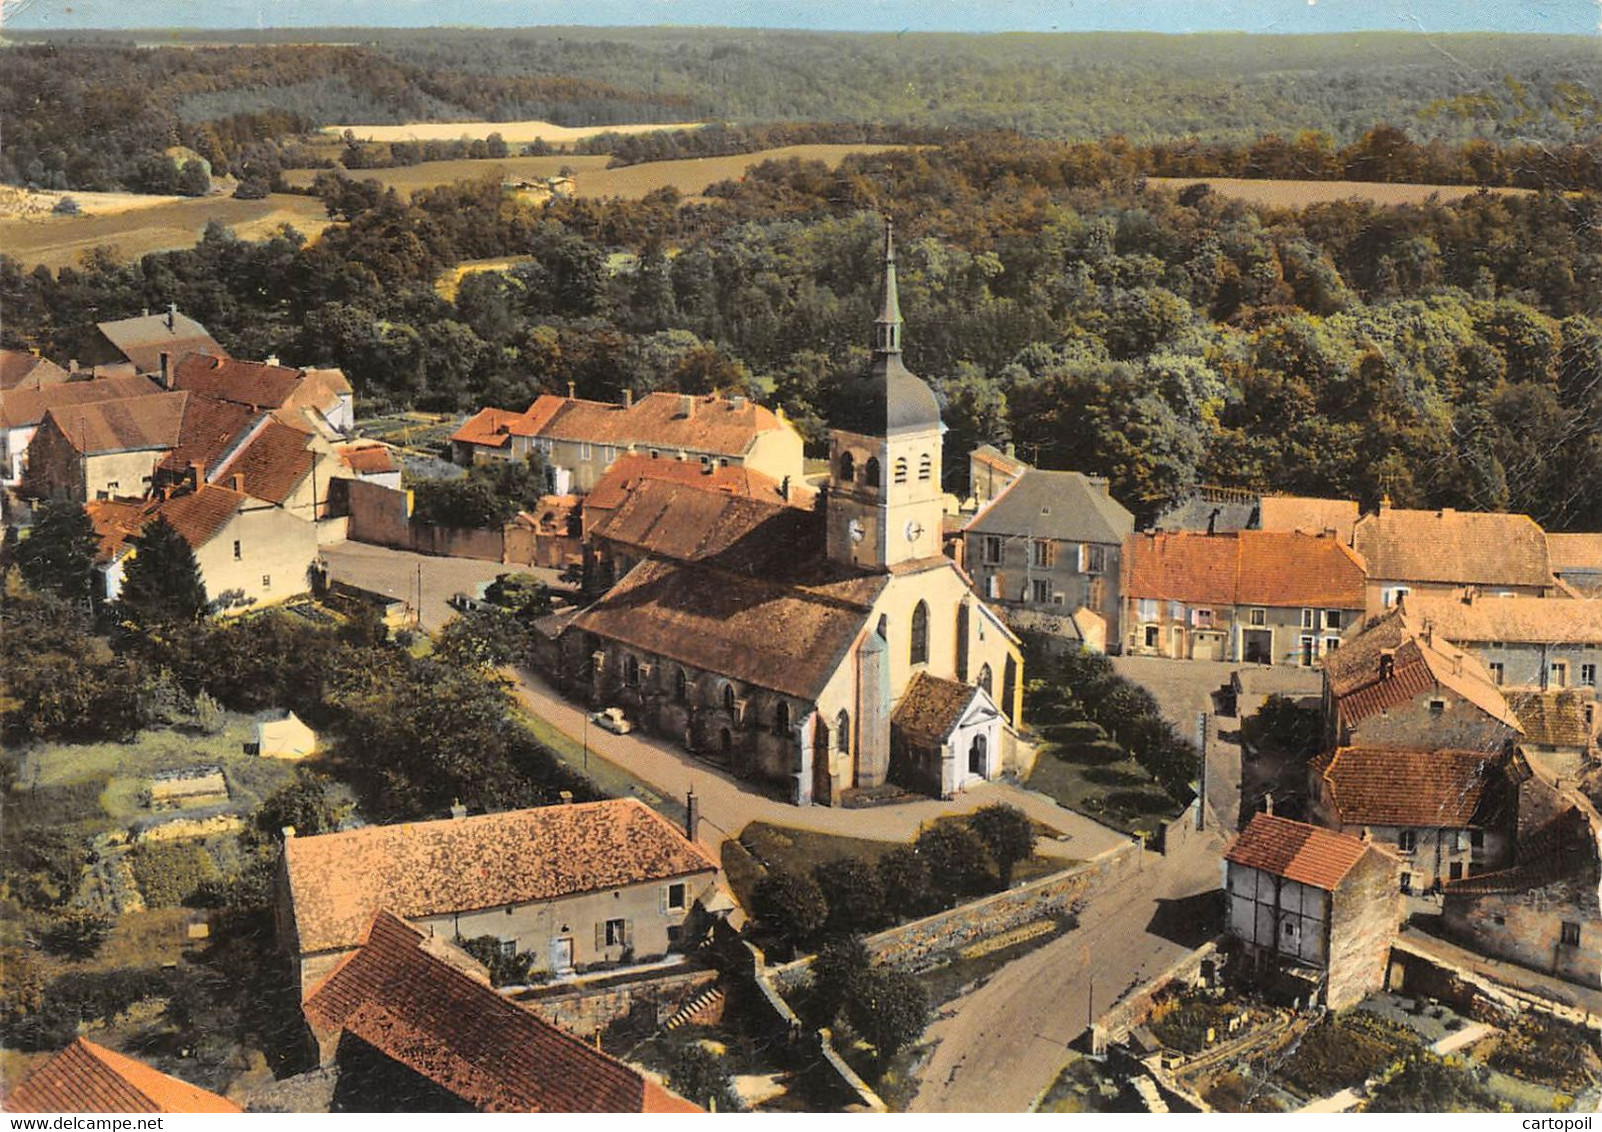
x,y
1119,793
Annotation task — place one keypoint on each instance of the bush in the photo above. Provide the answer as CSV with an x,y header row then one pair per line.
x,y
170,875
1097,752
839,966
958,864
1427,1083
1079,732
76,934
83,996
66,206
699,1075
888,1009
854,893
904,877
1546,1052
504,970
1008,836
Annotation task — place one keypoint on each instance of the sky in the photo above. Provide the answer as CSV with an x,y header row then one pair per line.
x,y
1553,17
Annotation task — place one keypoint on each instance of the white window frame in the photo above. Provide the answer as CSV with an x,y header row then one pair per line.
x,y
1257,618
1334,619
1310,619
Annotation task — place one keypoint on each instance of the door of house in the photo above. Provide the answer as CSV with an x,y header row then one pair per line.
x,y
1208,646
1257,646
976,757
562,955
821,782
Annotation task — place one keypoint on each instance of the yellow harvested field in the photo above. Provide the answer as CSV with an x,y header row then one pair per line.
x,y
1300,194
449,282
514,133
168,224
591,177
18,203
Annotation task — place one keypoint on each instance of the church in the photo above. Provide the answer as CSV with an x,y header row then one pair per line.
x,y
824,651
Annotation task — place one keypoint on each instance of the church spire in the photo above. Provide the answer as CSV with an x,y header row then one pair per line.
x,y
887,327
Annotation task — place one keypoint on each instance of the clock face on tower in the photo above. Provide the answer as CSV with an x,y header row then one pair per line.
x,y
913,530
856,530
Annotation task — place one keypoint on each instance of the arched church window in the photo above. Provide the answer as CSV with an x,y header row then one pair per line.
x,y
728,698
848,468
986,680
925,467
631,672
901,469
870,473
842,729
681,686
781,718
920,633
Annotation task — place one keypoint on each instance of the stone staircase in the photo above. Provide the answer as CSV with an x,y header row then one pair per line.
x,y
705,1008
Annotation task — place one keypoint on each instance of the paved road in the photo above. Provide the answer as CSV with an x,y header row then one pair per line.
x,y
1182,687
728,805
1002,1045
396,573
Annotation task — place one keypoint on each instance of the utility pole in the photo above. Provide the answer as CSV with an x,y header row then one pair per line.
x,y
419,595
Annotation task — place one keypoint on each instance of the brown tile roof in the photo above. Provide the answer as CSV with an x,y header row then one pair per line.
x,y
1541,620
259,385
1420,663
1443,789
199,515
86,1077
1302,853
272,464
209,430
492,428
931,707
992,457
1566,847
715,424
683,522
1308,515
1453,547
130,424
1267,568
781,637
417,1009
630,469
27,405
1553,718
116,521
1574,551
339,880
143,340
20,369
368,459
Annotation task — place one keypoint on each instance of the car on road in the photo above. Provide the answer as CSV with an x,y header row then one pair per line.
x,y
612,719
467,603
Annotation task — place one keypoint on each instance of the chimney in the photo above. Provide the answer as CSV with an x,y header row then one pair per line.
x,y
692,814
628,398
197,474
166,370
1445,513
686,406
1012,450
1212,521
237,482
172,316
72,366
784,489
458,811
272,360
1385,503
288,831
1387,664
566,796
572,391
1268,803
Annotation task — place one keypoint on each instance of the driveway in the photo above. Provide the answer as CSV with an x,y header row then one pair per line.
x,y
728,805
1000,1046
397,573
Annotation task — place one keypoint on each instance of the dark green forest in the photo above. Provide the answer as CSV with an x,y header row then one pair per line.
x,y
1448,355
84,111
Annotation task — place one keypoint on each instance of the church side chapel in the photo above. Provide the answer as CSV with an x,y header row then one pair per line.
x,y
827,651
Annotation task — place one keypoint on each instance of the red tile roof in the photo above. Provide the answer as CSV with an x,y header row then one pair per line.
x,y
1442,789
338,881
1296,851
272,464
1267,568
682,521
129,424
86,1077
492,428
255,384
368,459
715,424
1478,618
19,369
209,429
1574,551
1453,547
630,469
199,515
441,1023
1309,515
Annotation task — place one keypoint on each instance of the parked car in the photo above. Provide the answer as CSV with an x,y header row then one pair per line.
x,y
611,719
467,603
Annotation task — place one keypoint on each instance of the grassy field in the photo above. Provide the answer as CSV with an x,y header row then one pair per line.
x,y
513,133
446,285
1300,194
591,176
166,225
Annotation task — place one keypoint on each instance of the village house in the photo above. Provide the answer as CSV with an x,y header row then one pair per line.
x,y
143,341
1560,726
1312,910
782,644
576,886
1576,560
413,1028
1444,814
88,1077
1046,551
1439,553
577,440
1543,912
990,472
23,409
319,401
1393,686
1258,597
1525,642
24,369
102,450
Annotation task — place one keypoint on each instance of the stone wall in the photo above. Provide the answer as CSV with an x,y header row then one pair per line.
x,y
1135,1008
1365,913
588,1009
383,516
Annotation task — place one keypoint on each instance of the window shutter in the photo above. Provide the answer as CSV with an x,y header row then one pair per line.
x,y
600,935
628,933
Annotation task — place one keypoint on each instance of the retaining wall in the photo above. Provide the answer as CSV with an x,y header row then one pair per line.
x,y
588,1010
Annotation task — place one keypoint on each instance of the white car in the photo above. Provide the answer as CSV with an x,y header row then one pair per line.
x,y
611,719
